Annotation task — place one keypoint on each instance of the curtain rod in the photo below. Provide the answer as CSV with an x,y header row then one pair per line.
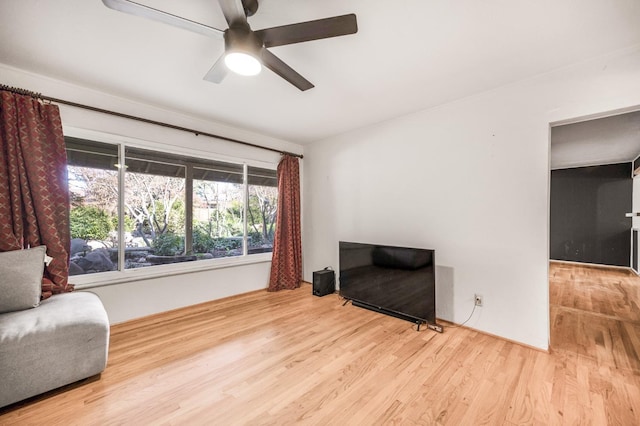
x,y
144,120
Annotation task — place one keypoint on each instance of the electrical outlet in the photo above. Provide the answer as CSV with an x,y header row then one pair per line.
x,y
478,300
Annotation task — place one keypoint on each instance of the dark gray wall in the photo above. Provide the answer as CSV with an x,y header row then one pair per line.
x,y
588,206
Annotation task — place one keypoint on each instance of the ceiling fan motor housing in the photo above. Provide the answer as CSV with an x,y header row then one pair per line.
x,y
240,38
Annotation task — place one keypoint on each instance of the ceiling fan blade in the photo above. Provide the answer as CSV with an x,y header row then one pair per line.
x,y
233,11
218,71
137,9
310,30
274,63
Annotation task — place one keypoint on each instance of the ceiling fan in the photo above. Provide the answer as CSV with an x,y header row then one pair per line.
x,y
245,49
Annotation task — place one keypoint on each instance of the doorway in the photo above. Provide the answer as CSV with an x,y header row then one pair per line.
x,y
594,295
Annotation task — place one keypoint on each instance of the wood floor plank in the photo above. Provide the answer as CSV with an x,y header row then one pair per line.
x,y
289,357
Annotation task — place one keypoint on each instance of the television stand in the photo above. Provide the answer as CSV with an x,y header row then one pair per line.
x,y
434,327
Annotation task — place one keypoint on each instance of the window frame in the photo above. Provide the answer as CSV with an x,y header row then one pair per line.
x,y
140,274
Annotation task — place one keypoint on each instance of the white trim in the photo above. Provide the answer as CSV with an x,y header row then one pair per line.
x,y
548,237
594,265
631,249
594,164
121,191
82,282
245,211
595,116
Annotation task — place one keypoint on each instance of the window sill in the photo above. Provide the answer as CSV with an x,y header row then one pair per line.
x,y
83,282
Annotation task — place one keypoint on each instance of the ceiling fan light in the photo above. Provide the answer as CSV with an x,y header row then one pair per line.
x,y
242,63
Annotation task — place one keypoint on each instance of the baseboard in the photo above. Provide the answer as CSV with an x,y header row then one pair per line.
x,y
164,315
593,265
448,324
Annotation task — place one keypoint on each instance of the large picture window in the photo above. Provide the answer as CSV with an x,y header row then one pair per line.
x,y
173,208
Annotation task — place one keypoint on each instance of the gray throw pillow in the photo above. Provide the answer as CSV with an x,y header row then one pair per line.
x,y
21,278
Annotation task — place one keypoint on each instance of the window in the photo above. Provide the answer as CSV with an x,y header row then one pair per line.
x,y
218,209
263,204
154,209
94,192
173,208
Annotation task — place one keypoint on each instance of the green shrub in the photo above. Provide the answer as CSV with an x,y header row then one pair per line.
x,y
202,241
129,223
168,244
227,244
90,223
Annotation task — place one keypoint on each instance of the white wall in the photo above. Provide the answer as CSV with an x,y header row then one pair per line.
x,y
635,202
139,298
469,179
635,207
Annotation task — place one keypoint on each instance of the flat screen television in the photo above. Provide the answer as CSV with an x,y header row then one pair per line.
x,y
397,281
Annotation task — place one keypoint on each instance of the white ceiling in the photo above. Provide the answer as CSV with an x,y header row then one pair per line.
x,y
407,55
607,140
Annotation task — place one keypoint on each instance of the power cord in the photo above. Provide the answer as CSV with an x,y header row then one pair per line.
x,y
466,321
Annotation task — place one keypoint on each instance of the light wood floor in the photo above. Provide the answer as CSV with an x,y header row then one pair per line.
x,y
595,314
290,357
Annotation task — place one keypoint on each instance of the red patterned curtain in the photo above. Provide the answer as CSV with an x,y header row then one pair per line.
x,y
286,264
34,197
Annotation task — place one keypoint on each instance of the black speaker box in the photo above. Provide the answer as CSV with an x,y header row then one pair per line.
x,y
324,282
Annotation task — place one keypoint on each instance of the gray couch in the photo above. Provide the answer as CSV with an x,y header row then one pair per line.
x,y
61,340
